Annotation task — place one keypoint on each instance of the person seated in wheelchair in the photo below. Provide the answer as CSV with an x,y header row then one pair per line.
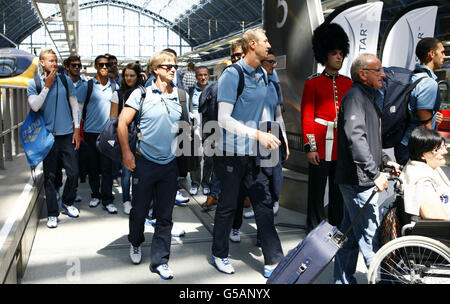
x,y
425,185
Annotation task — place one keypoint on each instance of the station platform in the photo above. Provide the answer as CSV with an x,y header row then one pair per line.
x,y
94,249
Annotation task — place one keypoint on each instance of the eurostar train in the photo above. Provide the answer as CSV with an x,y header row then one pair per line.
x,y
16,67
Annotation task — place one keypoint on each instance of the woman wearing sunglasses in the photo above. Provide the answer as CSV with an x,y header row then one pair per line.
x,y
154,165
130,81
426,186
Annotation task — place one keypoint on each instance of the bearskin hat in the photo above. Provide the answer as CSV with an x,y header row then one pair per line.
x,y
328,37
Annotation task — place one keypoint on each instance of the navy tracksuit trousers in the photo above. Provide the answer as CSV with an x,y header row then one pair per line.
x,y
157,182
240,175
63,151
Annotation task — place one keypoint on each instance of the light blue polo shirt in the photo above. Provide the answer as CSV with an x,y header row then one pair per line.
x,y
274,76
55,109
159,123
423,97
195,104
272,100
98,108
195,97
81,87
247,109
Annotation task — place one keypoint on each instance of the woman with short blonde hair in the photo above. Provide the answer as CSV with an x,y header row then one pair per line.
x,y
158,58
154,164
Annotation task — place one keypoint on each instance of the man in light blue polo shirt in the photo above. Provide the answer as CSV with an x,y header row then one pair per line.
x,y
60,116
425,98
96,116
241,172
73,67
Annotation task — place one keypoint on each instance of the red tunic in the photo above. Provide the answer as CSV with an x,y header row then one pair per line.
x,y
322,96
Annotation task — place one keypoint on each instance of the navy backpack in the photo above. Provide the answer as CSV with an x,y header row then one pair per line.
x,y
393,99
207,104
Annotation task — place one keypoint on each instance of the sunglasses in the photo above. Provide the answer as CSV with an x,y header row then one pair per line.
x,y
168,67
103,64
272,62
76,65
236,55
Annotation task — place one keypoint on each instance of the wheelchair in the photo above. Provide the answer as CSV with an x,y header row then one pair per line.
x,y
418,254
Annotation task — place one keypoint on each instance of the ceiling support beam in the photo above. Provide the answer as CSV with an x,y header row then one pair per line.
x,y
63,29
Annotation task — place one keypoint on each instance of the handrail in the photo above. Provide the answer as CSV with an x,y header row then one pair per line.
x,y
13,111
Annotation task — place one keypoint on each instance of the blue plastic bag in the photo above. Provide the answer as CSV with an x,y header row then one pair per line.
x,y
36,140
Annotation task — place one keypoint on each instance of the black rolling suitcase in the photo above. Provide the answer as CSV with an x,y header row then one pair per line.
x,y
304,263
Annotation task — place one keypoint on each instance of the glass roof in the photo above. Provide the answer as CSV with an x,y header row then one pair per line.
x,y
169,9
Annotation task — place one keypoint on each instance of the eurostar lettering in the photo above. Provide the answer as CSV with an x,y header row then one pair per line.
x,y
196,294
362,41
246,294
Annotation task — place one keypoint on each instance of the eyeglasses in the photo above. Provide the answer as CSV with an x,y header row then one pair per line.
x,y
272,62
236,55
103,64
76,65
168,67
378,71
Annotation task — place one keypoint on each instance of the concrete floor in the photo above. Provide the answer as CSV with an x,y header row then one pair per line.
x,y
94,249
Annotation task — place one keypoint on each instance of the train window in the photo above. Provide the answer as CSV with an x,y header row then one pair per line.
x,y
8,66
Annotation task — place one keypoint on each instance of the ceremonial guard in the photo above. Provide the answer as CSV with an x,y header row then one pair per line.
x,y
322,95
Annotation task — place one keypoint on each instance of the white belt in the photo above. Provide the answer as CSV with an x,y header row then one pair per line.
x,y
329,137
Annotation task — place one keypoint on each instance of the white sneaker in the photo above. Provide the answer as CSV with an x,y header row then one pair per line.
x,y
52,222
150,222
249,214
235,236
193,191
180,199
127,207
110,208
115,182
223,265
276,207
268,269
206,191
164,271
71,211
77,199
177,231
94,202
135,254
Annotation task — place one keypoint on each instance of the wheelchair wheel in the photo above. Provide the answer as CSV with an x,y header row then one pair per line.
x,y
411,260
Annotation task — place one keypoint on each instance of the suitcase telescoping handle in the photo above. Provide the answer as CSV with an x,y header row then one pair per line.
x,y
344,236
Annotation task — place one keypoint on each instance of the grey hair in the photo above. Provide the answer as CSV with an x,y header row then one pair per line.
x,y
358,64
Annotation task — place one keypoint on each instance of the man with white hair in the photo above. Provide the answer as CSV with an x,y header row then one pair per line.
x,y
360,161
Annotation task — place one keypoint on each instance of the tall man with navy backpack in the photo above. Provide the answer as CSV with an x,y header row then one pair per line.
x,y
424,102
208,108
55,97
239,121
